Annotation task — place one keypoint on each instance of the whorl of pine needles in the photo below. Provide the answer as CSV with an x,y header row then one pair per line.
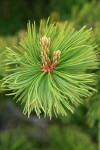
x,y
49,69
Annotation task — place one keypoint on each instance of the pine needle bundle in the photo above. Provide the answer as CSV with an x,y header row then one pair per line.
x,y
49,68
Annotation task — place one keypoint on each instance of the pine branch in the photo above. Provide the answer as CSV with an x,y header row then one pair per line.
x,y
50,64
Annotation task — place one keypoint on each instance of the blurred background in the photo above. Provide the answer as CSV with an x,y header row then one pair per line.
x,y
80,131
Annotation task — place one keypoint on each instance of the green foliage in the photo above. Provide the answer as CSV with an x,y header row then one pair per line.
x,y
94,103
14,140
2,68
67,84
30,10
14,14
94,111
87,15
93,114
69,138
62,136
97,34
8,41
63,8
5,41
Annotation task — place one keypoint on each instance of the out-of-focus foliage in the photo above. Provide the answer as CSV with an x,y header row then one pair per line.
x,y
87,15
2,68
69,138
4,42
96,32
94,105
63,8
57,138
14,140
9,41
94,110
14,14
